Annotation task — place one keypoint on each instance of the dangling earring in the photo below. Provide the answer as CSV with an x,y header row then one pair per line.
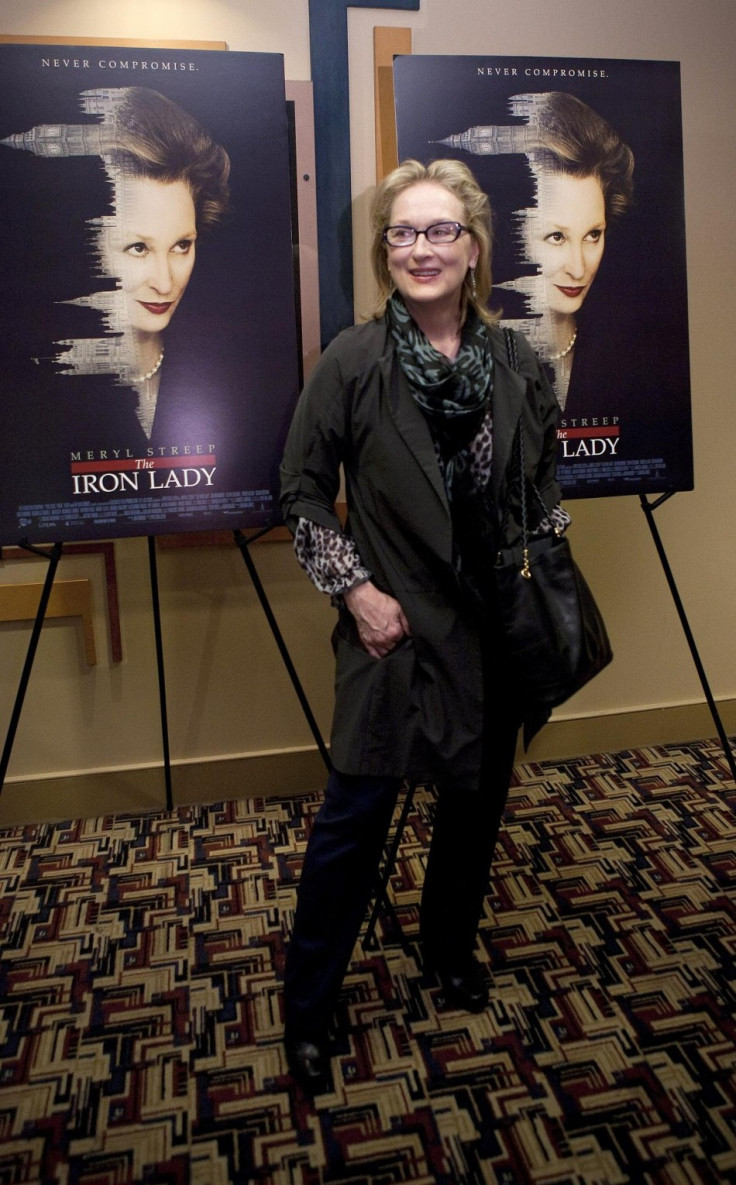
x,y
473,285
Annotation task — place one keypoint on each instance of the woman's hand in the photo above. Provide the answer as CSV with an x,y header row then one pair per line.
x,y
380,619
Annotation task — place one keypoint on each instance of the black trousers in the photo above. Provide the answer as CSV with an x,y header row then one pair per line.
x,y
340,872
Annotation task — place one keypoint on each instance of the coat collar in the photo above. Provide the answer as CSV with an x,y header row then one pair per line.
x,y
507,400
411,423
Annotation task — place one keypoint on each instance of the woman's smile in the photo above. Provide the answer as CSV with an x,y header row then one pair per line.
x,y
158,309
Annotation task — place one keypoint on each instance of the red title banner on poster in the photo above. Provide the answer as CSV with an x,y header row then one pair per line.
x,y
105,466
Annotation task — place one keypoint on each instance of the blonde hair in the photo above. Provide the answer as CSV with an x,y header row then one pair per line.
x,y
456,177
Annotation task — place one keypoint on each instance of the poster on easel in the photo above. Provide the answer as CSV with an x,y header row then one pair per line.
x,y
150,362
582,162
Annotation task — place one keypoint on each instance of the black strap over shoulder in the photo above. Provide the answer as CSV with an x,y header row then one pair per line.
x,y
513,356
511,350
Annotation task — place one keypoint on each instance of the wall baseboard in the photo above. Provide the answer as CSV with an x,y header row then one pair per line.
x,y
611,732
137,789
301,771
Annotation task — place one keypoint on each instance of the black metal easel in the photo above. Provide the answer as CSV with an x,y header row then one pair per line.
x,y
243,543
649,508
153,569
382,900
53,555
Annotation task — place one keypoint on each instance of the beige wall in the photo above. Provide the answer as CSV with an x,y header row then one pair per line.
x,y
230,704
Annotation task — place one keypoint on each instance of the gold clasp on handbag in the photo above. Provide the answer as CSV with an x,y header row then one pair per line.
x,y
526,571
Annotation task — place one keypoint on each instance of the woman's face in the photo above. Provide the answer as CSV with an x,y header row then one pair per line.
x,y
430,275
151,249
565,236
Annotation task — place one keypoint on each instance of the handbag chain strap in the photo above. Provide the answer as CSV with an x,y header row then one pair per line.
x,y
526,571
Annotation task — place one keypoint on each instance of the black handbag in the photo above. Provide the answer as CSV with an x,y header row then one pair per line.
x,y
555,637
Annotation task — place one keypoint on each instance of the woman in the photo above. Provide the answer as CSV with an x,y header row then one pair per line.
x,y
169,181
584,181
412,405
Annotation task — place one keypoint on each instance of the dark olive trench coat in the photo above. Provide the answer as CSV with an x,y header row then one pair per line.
x,y
418,712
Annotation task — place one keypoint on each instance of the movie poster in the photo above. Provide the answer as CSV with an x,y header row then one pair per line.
x,y
582,162
149,352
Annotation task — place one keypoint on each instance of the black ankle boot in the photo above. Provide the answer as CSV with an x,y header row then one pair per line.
x,y
309,1063
464,982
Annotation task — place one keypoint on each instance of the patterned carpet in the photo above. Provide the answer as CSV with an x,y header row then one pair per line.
x,y
140,969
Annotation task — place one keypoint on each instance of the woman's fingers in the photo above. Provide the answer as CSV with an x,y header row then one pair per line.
x,y
380,619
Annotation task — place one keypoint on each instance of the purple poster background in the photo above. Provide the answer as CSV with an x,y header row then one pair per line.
x,y
88,451
625,425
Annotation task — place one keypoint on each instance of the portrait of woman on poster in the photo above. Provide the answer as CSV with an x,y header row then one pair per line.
x,y
583,174
170,182
419,406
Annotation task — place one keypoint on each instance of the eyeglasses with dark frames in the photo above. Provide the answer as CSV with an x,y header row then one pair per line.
x,y
437,234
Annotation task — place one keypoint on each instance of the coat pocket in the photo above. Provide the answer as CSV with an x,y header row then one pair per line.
x,y
376,712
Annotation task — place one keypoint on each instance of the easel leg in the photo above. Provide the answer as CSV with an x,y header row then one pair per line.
x,y
242,543
382,899
160,666
649,508
53,556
